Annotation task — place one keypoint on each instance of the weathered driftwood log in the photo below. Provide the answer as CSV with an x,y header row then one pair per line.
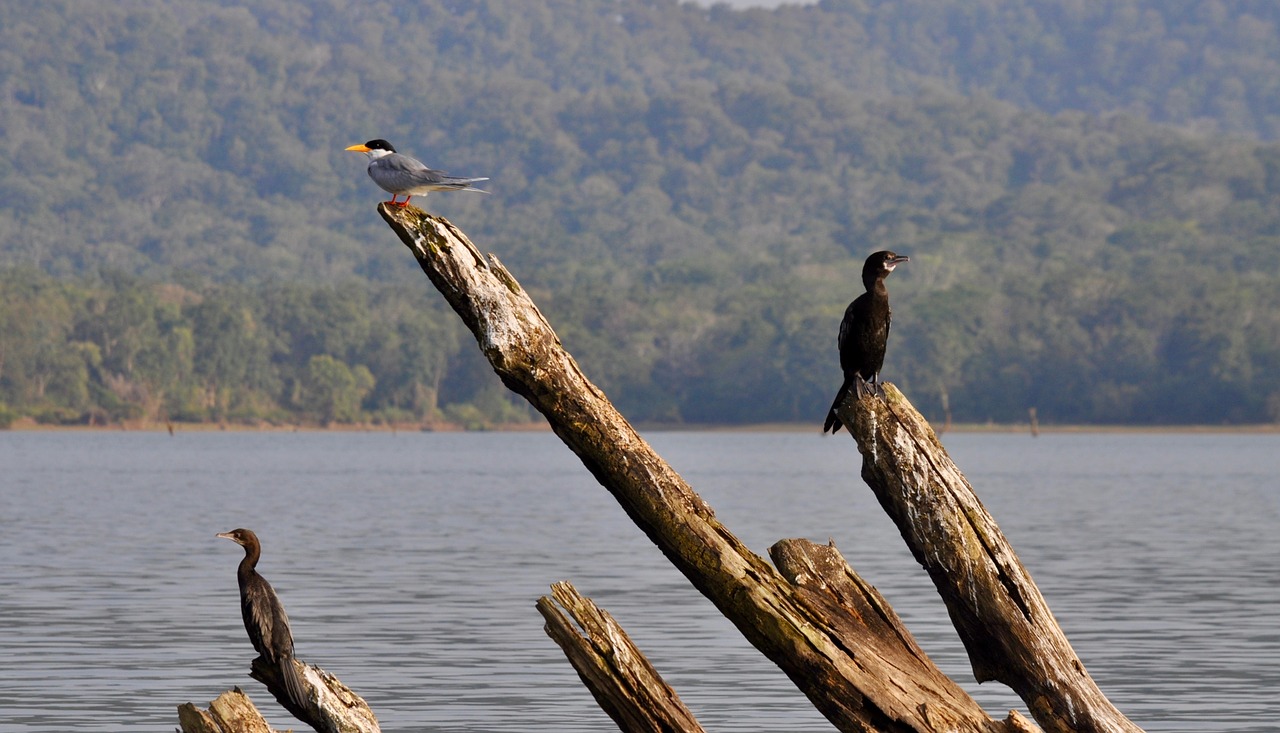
x,y
622,680
1006,626
231,712
847,602
844,676
331,706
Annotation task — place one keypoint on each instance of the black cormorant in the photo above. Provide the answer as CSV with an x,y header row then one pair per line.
x,y
864,331
264,616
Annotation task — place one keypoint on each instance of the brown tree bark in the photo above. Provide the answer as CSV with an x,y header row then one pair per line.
x,y
856,608
839,666
1006,626
332,707
230,712
622,680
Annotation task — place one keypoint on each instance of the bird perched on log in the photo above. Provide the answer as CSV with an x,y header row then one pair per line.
x,y
401,175
264,616
864,332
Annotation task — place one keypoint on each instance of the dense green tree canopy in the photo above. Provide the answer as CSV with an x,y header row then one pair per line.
x,y
1088,192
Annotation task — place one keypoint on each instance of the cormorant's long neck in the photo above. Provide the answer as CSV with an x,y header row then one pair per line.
x,y
251,554
877,289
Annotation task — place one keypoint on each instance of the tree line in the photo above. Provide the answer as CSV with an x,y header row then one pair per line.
x,y
689,193
115,348
1092,348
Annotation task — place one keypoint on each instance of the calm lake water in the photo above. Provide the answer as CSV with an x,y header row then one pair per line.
x,y
409,564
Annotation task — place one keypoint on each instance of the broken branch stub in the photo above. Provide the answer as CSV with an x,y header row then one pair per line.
x,y
332,707
230,712
619,676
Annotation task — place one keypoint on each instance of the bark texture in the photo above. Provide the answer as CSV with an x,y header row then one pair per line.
x,y
623,682
844,676
332,706
231,712
856,610
1007,628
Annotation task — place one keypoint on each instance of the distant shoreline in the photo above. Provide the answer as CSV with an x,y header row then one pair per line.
x,y
29,425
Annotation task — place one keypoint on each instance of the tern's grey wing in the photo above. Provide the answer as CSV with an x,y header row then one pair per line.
x,y
400,174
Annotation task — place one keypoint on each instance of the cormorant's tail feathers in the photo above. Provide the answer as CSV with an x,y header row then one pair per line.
x,y
861,389
833,424
294,685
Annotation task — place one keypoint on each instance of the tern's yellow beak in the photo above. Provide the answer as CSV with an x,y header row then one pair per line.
x,y
359,148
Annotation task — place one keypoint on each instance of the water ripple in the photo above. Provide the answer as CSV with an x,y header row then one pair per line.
x,y
410,564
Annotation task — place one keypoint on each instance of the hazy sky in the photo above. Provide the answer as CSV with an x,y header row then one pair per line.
x,y
756,3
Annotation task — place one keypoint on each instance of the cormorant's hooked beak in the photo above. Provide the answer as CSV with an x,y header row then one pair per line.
x,y
227,536
897,260
358,149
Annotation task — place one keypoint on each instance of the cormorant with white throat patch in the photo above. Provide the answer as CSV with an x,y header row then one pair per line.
x,y
864,332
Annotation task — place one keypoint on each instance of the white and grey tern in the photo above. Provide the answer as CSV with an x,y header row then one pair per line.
x,y
401,175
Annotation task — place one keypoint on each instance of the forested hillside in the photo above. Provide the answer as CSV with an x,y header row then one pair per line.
x,y
1088,193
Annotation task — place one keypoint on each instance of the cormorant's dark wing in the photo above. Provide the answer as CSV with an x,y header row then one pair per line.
x,y
849,343
853,336
268,627
876,338
265,620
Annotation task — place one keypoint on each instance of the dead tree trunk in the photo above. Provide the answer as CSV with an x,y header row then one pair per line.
x,y
332,707
625,684
841,668
230,712
1006,626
